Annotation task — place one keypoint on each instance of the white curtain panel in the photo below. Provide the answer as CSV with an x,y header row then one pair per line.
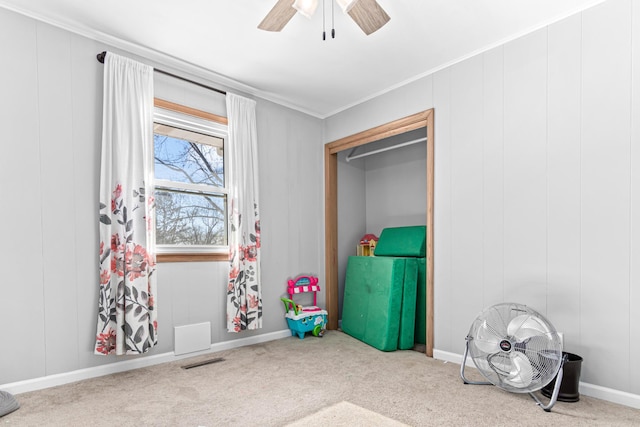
x,y
244,297
126,309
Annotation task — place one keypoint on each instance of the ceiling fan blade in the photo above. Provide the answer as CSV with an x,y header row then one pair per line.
x,y
369,15
278,16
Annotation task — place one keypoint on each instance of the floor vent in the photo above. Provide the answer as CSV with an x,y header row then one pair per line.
x,y
204,362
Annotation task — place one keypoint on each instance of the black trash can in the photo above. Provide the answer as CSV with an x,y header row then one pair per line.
x,y
569,388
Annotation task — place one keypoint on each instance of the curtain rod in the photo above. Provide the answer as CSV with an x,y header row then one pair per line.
x,y
101,56
382,150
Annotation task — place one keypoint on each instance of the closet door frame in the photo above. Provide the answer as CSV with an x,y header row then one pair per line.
x,y
331,150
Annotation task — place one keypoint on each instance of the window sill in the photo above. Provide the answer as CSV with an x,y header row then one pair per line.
x,y
192,257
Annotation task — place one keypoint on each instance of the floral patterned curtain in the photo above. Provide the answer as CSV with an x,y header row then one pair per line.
x,y
126,308
244,297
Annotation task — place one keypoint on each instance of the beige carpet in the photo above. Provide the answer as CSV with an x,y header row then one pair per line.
x,y
314,381
346,414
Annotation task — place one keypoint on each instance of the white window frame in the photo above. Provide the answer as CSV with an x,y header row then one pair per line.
x,y
207,127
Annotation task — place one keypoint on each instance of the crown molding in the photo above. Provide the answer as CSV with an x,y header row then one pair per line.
x,y
160,58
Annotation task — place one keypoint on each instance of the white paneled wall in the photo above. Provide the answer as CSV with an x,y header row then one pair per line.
x,y
493,176
443,197
352,214
555,194
291,165
58,207
189,298
466,189
21,310
537,188
563,178
605,192
396,187
525,164
86,131
634,291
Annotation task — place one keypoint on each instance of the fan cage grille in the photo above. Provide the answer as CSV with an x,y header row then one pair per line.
x,y
515,348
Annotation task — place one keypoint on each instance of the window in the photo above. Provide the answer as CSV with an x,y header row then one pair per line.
x,y
190,182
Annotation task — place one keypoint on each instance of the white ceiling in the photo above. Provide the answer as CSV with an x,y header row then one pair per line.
x,y
296,67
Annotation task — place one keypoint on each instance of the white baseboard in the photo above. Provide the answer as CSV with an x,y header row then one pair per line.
x,y
127,365
451,357
611,395
591,390
228,345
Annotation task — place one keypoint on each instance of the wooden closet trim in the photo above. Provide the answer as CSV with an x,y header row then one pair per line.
x,y
415,121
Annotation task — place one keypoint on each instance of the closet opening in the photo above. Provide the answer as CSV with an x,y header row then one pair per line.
x,y
414,129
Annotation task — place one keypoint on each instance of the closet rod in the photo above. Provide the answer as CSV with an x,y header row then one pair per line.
x,y
393,147
101,56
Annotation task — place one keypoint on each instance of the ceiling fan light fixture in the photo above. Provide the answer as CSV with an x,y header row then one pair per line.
x,y
305,7
367,14
346,5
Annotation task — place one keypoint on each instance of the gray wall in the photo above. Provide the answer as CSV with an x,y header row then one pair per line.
x,y
50,116
352,214
396,187
387,189
537,189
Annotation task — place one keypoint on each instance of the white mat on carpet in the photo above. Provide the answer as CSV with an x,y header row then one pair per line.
x,y
346,414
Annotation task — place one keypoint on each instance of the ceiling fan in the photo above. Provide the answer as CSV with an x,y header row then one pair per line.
x,y
368,14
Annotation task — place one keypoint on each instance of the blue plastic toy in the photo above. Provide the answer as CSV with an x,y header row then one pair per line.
x,y
304,319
